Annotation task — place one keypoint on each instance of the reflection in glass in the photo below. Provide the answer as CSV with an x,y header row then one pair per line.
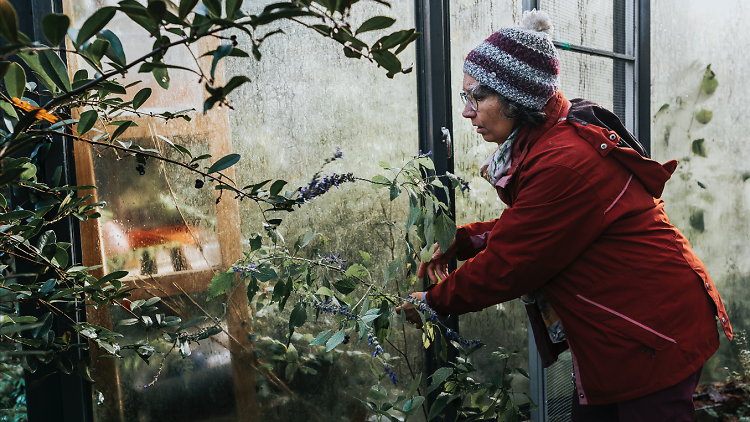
x,y
154,223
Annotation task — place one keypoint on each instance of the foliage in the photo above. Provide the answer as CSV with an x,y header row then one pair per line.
x,y
41,104
12,395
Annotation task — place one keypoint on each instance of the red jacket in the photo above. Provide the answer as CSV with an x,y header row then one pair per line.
x,y
583,225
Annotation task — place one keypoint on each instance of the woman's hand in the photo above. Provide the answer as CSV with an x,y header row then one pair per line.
x,y
437,268
412,315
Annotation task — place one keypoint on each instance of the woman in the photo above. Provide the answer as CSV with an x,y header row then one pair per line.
x,y
584,240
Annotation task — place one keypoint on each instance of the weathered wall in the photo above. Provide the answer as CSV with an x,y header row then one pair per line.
x,y
708,197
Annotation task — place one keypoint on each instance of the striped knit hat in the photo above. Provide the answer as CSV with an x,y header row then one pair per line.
x,y
520,63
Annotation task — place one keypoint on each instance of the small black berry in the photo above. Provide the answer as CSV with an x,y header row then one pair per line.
x,y
198,183
141,169
346,339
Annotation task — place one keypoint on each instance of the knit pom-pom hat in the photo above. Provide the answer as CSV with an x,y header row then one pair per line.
x,y
520,63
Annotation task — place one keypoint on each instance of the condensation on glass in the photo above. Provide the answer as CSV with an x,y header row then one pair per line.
x,y
171,239
505,324
306,102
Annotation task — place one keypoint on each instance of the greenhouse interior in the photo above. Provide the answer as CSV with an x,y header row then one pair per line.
x,y
220,210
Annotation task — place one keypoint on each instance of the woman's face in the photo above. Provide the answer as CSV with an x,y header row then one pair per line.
x,y
489,118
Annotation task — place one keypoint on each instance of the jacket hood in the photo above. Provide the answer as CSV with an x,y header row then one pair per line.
x,y
606,133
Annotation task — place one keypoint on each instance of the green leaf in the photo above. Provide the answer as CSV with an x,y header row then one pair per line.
x,y
42,330
8,22
96,50
15,215
223,163
128,321
308,237
375,23
15,79
445,231
8,109
191,323
297,318
109,86
388,60
232,7
54,28
94,24
365,258
186,6
438,406
214,7
220,284
162,76
411,406
276,187
121,129
55,69
356,270
141,97
415,385
115,52
321,338
377,392
324,291
438,377
335,340
345,286
61,256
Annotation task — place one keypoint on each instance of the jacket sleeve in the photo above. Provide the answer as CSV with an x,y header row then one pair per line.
x,y
556,216
472,239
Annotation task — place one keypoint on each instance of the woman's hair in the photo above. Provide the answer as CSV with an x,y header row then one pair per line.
x,y
513,110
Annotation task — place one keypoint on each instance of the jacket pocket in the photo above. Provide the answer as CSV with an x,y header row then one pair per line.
x,y
625,325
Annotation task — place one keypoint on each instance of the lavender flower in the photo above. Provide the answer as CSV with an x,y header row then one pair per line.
x,y
245,269
336,156
391,374
334,259
454,336
318,187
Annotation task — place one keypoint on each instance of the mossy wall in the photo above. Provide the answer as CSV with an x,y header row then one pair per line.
x,y
704,125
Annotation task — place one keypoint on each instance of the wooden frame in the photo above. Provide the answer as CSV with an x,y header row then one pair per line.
x,y
215,124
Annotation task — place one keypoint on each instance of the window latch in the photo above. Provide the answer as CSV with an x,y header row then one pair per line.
x,y
447,140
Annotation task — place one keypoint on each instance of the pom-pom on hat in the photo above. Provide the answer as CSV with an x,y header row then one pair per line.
x,y
520,63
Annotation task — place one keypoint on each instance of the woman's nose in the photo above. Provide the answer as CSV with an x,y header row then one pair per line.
x,y
468,111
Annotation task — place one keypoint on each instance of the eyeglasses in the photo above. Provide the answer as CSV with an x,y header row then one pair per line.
x,y
472,98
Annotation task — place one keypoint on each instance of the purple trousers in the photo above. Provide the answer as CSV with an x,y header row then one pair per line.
x,y
672,404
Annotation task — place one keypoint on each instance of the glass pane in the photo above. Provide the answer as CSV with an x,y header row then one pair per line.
x,y
168,236
503,325
305,101
589,77
153,222
707,196
587,23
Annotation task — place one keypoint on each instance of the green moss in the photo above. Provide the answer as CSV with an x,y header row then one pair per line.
x,y
696,221
709,83
704,116
699,147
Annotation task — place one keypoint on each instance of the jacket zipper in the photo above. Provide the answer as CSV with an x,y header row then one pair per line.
x,y
632,321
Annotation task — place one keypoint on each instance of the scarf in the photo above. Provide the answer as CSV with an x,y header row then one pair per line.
x,y
498,163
